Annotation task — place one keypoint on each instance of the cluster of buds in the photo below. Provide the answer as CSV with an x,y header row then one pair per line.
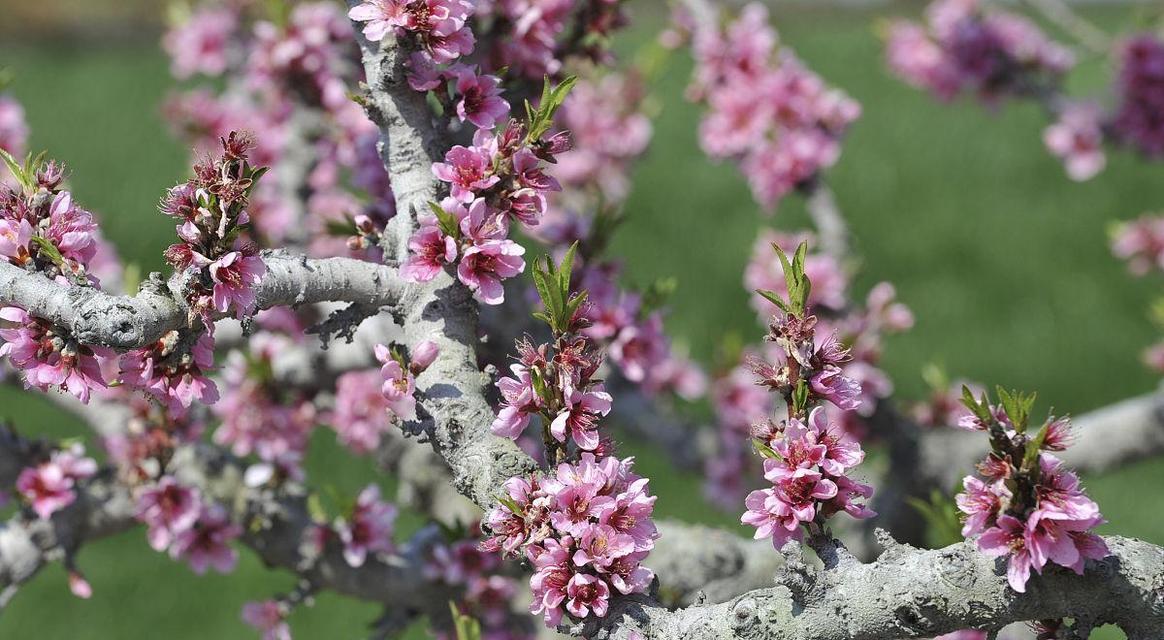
x,y
586,527
804,372
212,211
497,180
41,228
1026,506
556,382
286,79
962,47
807,456
860,329
765,108
807,462
49,356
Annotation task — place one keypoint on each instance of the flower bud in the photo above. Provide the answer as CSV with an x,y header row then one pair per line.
x,y
423,355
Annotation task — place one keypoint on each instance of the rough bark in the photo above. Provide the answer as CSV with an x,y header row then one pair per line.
x,y
127,322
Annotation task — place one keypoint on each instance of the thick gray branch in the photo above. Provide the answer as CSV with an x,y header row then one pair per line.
x,y
127,322
409,143
909,593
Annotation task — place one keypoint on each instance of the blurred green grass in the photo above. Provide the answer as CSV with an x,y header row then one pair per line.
x,y
1004,261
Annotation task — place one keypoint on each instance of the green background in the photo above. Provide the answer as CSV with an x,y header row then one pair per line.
x,y
1004,261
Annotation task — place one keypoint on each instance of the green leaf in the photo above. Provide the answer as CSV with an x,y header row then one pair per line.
x,y
981,410
15,168
566,270
553,285
466,627
316,509
1031,455
774,298
541,120
511,504
764,450
800,397
48,250
446,221
943,527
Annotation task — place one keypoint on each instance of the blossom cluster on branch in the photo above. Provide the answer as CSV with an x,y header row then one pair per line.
x,y
586,524
857,331
1027,507
967,47
766,110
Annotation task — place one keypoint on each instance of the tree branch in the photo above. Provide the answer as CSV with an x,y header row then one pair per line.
x,y
910,593
128,322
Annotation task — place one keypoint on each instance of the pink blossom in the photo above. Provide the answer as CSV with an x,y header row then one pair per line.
x,y
168,509
1077,139
580,417
51,486
235,275
13,129
173,371
587,594
480,99
520,402
200,43
399,385
268,619
49,357
369,528
576,500
981,503
1008,538
638,347
484,265
468,169
79,586
1141,243
429,250
627,575
207,543
72,230
423,355
831,384
552,575
360,417
15,235
630,513
601,544
841,453
254,420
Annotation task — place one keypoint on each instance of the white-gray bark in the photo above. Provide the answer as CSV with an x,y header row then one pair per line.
x,y
127,322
